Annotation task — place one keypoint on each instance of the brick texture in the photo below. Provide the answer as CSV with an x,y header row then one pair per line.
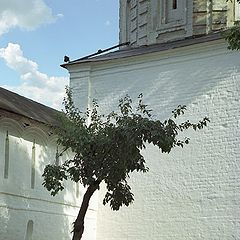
x,y
192,193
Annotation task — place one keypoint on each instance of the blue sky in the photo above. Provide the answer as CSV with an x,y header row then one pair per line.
x,y
36,34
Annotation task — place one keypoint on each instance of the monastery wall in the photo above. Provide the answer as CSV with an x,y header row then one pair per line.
x,y
27,210
191,193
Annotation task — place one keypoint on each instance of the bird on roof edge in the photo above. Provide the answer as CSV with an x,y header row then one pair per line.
x,y
66,59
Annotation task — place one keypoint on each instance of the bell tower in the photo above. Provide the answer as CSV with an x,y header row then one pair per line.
x,y
146,22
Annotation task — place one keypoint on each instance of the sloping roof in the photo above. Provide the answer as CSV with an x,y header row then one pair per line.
x,y
136,51
20,105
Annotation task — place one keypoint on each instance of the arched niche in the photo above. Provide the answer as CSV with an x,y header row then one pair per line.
x,y
10,143
58,150
29,231
37,135
13,127
52,150
36,141
52,140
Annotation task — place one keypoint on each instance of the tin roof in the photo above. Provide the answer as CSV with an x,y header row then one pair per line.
x,y
15,103
137,51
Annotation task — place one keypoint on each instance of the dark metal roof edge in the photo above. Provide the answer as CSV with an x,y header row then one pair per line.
x,y
100,51
149,49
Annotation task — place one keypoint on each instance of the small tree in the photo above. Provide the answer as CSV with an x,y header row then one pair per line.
x,y
232,35
109,149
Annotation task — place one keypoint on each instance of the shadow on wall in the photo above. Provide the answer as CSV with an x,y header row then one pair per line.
x,y
166,83
191,185
27,211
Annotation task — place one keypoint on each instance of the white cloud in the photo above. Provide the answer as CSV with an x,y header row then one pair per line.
x,y
60,15
35,85
25,14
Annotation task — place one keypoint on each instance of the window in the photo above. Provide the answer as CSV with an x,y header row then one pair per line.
x,y
237,12
175,10
77,190
57,157
172,13
6,163
174,4
29,231
33,165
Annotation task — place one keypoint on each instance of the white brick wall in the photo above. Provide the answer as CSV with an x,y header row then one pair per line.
x,y
192,193
52,216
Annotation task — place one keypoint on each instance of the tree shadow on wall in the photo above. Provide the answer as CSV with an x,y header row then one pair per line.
x,y
167,84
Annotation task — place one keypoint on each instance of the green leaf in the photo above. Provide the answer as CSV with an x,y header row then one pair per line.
x,y
109,148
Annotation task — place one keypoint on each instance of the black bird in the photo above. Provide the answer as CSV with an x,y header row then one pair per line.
x,y
66,59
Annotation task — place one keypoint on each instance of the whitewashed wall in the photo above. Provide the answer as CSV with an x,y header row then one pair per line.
x,y
20,204
192,193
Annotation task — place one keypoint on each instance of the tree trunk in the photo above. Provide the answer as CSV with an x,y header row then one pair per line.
x,y
79,223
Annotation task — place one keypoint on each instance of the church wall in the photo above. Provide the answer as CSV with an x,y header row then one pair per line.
x,y
27,210
154,21
134,27
147,22
192,193
210,16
